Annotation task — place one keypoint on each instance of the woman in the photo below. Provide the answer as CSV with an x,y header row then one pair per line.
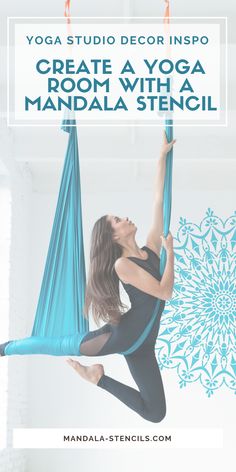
x,y
115,256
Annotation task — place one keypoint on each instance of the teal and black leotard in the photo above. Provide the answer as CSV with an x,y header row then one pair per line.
x,y
133,322
149,400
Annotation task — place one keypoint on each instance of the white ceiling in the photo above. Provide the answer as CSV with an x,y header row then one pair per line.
x,y
119,8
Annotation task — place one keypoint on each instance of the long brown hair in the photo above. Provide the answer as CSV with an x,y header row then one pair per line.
x,y
102,291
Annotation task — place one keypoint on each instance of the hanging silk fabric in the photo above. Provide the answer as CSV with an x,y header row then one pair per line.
x,y
60,306
167,199
60,325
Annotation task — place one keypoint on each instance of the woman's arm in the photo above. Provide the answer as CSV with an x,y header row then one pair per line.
x,y
153,238
131,273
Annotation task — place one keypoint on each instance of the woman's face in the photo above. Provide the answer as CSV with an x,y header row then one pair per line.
x,y
121,226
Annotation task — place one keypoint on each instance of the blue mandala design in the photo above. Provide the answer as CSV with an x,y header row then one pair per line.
x,y
198,326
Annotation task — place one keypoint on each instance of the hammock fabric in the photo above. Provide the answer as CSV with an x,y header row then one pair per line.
x,y
60,325
61,299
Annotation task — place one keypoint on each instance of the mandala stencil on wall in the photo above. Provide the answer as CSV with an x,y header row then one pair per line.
x,y
197,334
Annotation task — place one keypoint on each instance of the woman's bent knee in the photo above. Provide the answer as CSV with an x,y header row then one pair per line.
x,y
156,416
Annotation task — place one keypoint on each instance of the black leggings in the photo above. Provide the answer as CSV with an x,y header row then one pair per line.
x,y
149,400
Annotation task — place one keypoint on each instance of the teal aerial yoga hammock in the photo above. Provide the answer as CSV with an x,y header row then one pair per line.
x,y
60,306
60,325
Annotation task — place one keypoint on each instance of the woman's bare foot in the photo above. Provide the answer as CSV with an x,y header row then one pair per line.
x,y
91,373
2,348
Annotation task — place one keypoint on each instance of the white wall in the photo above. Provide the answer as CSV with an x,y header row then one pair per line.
x,y
17,385
69,401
